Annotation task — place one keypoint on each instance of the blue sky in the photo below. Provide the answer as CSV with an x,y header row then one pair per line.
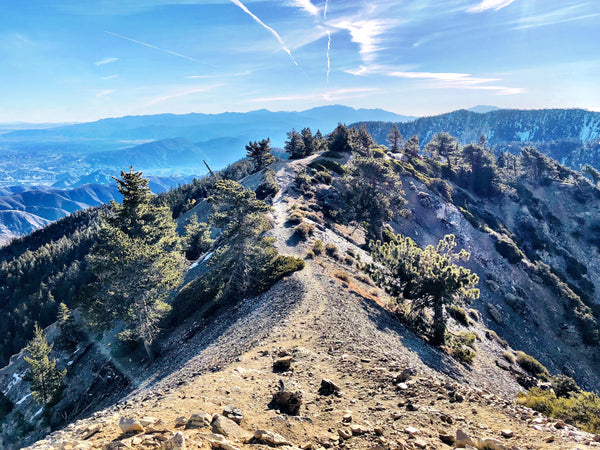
x,y
74,60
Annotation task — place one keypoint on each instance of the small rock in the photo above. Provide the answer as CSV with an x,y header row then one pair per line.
x,y
344,433
378,431
396,415
559,425
199,420
491,444
347,417
147,421
405,375
358,430
234,414
227,427
128,424
175,442
219,441
507,433
181,421
412,407
402,386
420,443
91,431
412,431
462,439
447,439
328,387
270,438
282,364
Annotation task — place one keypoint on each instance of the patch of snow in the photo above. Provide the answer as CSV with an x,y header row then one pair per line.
x,y
23,399
208,256
524,135
16,379
69,363
195,264
37,413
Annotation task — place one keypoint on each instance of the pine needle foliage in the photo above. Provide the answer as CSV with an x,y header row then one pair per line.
x,y
45,379
429,278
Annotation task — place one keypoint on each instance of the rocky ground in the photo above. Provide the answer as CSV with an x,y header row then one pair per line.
x,y
318,362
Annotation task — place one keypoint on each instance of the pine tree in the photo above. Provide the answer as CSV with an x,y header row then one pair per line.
x,y
340,139
394,138
320,143
309,142
260,154
137,262
363,142
429,277
45,379
295,145
442,145
68,329
412,147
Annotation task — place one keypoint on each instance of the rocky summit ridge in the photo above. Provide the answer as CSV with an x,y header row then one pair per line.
x,y
318,361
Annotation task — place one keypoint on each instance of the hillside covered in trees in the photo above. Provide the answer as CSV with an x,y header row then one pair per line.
x,y
464,254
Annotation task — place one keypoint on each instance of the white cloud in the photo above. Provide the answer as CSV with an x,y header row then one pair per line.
x,y
145,44
365,32
561,15
261,23
181,93
307,6
109,77
104,93
490,4
106,61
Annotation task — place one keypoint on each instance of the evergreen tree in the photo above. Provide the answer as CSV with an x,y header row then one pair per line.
x,y
442,145
137,262
309,141
197,238
363,142
45,379
412,147
478,171
68,329
591,172
295,145
260,154
394,138
340,139
319,142
428,277
373,193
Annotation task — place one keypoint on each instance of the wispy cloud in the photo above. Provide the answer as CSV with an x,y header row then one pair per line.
x,y
328,39
181,93
330,96
490,4
220,75
366,33
145,44
561,15
449,80
307,6
104,93
106,61
271,30
109,77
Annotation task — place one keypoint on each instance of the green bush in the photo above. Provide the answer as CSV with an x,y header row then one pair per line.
x,y
268,187
532,366
332,251
509,250
581,409
318,247
327,165
344,276
323,176
332,154
304,230
564,386
462,346
509,357
458,314
296,216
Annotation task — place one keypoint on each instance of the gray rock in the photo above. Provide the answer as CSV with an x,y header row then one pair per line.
x,y
128,424
175,442
270,438
282,364
328,387
233,413
227,427
462,439
199,420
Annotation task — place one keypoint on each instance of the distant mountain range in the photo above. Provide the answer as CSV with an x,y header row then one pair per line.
x,y
568,135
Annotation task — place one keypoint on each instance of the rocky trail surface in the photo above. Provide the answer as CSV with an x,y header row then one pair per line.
x,y
316,362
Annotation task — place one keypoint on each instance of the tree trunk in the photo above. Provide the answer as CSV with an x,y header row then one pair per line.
x,y
148,350
439,324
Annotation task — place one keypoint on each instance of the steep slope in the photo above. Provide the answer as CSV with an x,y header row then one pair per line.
x,y
333,323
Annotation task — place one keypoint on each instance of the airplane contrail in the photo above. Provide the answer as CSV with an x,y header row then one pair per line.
x,y
328,39
152,46
260,22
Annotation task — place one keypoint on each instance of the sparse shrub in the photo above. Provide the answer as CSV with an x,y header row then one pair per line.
x,y
268,187
303,182
304,230
442,187
474,314
378,153
296,216
581,409
332,251
349,260
458,314
462,346
351,252
332,154
344,276
310,254
564,386
509,250
318,247
491,334
532,366
509,357
323,176
328,166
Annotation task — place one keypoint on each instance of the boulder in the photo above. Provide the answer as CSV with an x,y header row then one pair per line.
x,y
462,440
328,387
507,433
175,442
233,413
228,428
199,420
491,444
282,364
219,441
128,425
270,438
